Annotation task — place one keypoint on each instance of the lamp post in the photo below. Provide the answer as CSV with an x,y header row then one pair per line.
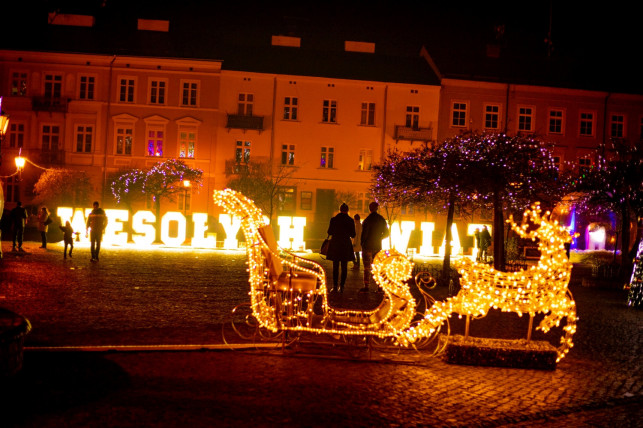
x,y
4,125
186,186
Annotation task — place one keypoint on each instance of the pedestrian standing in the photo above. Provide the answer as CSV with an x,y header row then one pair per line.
x,y
68,238
43,225
18,218
374,229
485,243
96,224
357,244
340,251
476,234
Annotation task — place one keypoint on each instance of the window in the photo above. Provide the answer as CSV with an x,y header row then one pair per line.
x,y
246,102
329,111
291,105
124,139
492,116
157,91
155,139
327,155
557,160
126,89
368,114
12,191
50,137
525,119
185,199
365,160
584,165
189,93
288,154
19,83
187,142
53,86
87,87
556,121
586,124
242,152
306,202
286,200
617,126
84,137
459,114
16,135
412,117
361,205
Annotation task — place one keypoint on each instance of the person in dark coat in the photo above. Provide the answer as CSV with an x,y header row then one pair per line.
x,y
485,243
340,251
477,236
18,218
374,229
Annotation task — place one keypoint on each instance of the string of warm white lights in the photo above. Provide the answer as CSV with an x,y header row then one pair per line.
x,y
285,289
540,289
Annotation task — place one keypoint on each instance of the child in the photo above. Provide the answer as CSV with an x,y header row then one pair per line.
x,y
68,233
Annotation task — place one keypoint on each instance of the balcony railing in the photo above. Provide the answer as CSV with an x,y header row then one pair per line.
x,y
238,121
51,104
413,134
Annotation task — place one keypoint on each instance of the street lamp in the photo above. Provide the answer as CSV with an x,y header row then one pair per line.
x,y
186,186
4,125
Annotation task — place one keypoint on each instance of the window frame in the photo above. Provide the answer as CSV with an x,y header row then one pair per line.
x,y
192,138
583,121
459,113
364,155
245,106
16,135
130,85
84,138
19,83
367,113
84,94
291,108
160,97
329,111
156,128
306,200
551,119
486,113
523,118
412,116
327,157
117,134
623,125
52,89
242,152
192,92
288,152
51,135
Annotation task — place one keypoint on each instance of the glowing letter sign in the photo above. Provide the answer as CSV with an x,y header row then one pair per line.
x,y
291,232
231,226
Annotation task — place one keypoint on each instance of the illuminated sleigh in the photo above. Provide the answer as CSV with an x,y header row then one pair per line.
x,y
288,293
540,289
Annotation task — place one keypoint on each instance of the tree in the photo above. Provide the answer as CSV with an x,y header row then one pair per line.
x,y
615,186
57,187
165,179
127,186
486,170
259,181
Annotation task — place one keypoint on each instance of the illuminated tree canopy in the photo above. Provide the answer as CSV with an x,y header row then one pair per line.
x,y
485,170
57,187
615,186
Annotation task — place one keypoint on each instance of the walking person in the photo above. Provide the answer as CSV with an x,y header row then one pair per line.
x,y
374,229
43,225
68,238
18,217
357,244
96,223
485,243
340,251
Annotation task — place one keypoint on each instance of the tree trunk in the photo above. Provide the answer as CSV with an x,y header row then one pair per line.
x,y
498,234
157,208
446,264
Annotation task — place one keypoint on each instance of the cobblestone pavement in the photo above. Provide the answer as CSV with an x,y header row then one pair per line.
x,y
168,297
